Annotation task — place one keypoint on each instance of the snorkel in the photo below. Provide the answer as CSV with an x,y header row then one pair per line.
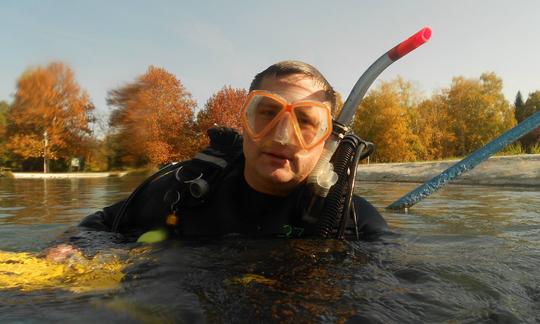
x,y
323,177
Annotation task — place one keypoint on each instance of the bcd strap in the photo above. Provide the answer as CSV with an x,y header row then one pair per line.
x,y
198,177
194,176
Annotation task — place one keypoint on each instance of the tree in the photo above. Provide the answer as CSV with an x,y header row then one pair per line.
x,y
384,119
4,107
531,106
152,119
518,107
50,114
222,109
434,128
477,111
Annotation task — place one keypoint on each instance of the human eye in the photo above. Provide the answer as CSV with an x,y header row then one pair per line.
x,y
267,111
306,119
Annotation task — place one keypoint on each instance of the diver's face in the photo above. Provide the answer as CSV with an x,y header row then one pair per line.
x,y
272,165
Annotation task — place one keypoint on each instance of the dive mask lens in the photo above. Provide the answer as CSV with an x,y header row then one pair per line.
x,y
261,114
313,122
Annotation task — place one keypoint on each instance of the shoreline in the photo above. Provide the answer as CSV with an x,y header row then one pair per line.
x,y
516,170
70,175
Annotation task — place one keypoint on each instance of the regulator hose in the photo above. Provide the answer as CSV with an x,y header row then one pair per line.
x,y
339,199
361,153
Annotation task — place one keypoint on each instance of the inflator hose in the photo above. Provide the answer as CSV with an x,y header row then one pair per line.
x,y
337,204
333,206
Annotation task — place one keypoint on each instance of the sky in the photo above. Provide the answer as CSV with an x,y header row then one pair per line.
x,y
210,44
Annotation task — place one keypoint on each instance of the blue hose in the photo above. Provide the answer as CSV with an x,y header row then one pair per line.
x,y
467,163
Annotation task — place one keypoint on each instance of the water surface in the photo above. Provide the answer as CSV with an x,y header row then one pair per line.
x,y
466,254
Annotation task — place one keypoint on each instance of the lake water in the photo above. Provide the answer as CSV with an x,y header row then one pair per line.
x,y
467,254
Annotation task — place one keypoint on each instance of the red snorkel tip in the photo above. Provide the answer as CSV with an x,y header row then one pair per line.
x,y
410,44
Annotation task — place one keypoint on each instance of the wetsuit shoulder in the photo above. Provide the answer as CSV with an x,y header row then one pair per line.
x,y
101,220
370,221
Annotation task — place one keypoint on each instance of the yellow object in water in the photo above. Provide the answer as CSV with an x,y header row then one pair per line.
x,y
153,236
26,271
249,278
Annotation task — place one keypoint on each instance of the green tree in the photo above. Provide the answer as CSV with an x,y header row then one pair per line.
x,y
518,107
531,106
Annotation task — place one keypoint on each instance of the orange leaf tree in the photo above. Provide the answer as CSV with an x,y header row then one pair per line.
x,y
4,107
384,119
434,128
49,107
152,119
477,112
222,109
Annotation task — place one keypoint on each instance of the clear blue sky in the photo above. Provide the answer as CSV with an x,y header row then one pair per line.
x,y
209,44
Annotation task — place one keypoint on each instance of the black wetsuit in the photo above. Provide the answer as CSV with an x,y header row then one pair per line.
x,y
233,207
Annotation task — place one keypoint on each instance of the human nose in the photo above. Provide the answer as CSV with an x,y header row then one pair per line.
x,y
284,132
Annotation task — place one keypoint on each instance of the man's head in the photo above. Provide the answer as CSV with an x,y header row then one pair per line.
x,y
282,156
290,67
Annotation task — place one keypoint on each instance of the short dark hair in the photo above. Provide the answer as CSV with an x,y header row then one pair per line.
x,y
290,67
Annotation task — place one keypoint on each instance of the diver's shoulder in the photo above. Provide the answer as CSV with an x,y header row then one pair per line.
x,y
370,220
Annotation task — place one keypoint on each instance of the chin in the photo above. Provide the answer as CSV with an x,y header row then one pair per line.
x,y
281,176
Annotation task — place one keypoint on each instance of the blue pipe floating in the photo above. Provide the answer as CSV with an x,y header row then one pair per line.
x,y
467,163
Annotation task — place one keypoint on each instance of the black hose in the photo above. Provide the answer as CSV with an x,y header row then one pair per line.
x,y
337,204
349,190
361,153
333,206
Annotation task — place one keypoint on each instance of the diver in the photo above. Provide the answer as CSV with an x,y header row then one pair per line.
x,y
252,185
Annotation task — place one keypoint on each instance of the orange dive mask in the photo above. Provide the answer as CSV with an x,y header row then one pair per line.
x,y
302,123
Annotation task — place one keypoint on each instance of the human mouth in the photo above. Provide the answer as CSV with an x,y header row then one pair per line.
x,y
277,157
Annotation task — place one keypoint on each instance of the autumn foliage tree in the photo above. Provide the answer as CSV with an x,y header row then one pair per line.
x,y
152,119
4,107
384,119
477,112
50,114
222,109
452,123
433,128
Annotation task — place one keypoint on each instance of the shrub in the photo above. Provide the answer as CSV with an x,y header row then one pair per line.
x,y
512,149
535,149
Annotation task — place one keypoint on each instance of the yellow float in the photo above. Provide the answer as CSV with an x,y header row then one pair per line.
x,y
28,272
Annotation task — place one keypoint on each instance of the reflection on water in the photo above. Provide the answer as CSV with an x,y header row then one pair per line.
x,y
465,254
